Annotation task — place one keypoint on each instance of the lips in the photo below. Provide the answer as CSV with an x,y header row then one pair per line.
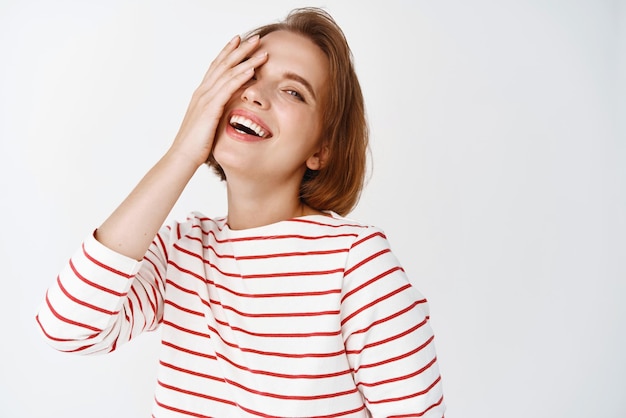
x,y
247,126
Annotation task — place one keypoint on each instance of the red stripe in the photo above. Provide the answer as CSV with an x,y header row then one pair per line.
x,y
69,321
196,275
292,274
284,375
114,345
392,338
163,247
212,249
420,414
191,372
200,257
79,349
367,260
92,284
134,291
343,413
250,276
146,291
341,225
130,318
179,411
252,295
104,266
248,410
200,395
188,351
154,308
280,335
288,236
180,308
218,222
62,340
179,287
400,378
412,395
275,237
188,331
155,298
274,295
367,238
293,254
212,302
390,317
338,414
369,305
292,397
50,337
392,359
369,282
156,269
208,247
81,302
270,315
275,354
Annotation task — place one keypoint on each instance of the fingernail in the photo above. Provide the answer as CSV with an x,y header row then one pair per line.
x,y
253,38
261,55
232,41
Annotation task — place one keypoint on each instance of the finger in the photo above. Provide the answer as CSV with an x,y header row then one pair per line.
x,y
230,58
232,45
213,85
228,48
225,86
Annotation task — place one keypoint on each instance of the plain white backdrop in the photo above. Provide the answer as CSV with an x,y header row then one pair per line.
x,y
499,176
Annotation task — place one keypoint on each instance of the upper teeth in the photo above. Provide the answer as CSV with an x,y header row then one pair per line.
x,y
240,120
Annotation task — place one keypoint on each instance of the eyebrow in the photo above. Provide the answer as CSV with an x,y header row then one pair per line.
x,y
295,77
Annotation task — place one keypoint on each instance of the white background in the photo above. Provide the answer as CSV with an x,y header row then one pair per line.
x,y
499,148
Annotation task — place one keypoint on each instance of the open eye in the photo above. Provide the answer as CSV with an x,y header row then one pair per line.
x,y
295,94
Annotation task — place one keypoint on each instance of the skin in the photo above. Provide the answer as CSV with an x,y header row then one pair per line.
x,y
263,176
286,96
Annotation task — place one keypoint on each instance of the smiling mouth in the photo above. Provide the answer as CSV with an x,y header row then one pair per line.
x,y
246,126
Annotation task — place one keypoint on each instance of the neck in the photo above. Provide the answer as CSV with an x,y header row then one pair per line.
x,y
250,206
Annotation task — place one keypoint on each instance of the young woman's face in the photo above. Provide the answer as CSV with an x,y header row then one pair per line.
x,y
271,127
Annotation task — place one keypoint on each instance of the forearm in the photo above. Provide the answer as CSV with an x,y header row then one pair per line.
x,y
133,225
130,229
102,299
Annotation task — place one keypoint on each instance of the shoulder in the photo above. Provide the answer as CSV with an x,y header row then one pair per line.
x,y
332,224
362,235
195,225
361,229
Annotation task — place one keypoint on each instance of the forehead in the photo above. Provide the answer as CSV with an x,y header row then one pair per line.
x,y
295,53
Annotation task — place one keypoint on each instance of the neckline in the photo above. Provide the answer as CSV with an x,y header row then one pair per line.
x,y
259,229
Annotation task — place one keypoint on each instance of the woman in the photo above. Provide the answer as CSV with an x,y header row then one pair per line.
x,y
283,307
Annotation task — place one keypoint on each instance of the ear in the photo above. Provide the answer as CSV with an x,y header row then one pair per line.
x,y
318,160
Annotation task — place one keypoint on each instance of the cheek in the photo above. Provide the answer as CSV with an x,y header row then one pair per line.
x,y
309,119
230,105
308,132
317,127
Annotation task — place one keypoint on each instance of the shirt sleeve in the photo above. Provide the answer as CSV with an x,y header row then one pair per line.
x,y
387,334
102,299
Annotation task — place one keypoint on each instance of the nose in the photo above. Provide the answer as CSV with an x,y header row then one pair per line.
x,y
253,94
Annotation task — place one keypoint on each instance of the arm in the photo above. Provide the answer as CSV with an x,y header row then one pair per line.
x,y
102,299
388,338
132,226
104,296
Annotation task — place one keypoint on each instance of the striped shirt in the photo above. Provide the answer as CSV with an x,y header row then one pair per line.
x,y
308,317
